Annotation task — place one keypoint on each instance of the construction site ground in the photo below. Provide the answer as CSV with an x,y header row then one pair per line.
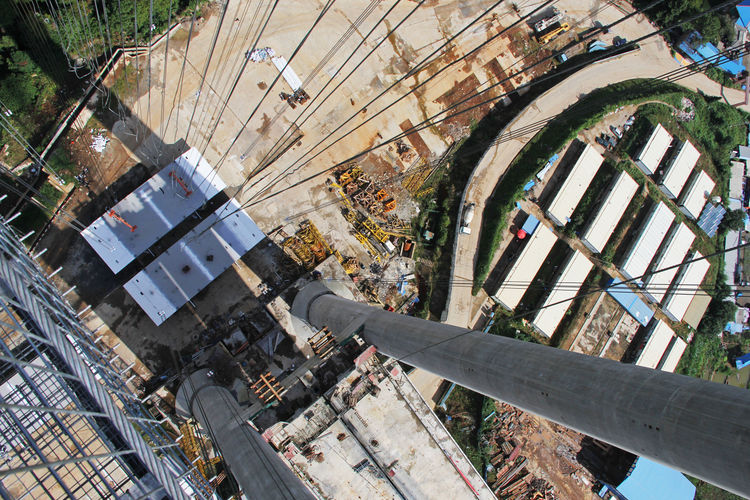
x,y
521,453
607,330
145,138
287,192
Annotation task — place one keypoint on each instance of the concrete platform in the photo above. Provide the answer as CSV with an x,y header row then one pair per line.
x,y
189,265
153,209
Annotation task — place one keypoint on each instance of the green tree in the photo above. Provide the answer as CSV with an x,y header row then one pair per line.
x,y
719,313
734,220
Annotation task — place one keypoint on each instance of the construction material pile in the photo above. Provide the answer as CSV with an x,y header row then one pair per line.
x,y
260,54
99,141
512,479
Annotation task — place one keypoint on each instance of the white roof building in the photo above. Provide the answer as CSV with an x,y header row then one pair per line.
x,y
189,265
575,186
609,214
732,257
672,254
696,194
686,287
565,288
659,337
153,209
653,151
648,241
670,360
525,267
737,181
678,169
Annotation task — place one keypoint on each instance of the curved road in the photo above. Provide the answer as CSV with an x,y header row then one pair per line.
x,y
654,59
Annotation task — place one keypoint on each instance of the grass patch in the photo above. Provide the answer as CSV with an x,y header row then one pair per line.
x,y
626,221
541,285
703,357
504,326
463,419
707,491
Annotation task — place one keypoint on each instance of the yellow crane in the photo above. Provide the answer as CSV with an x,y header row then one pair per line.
x,y
546,38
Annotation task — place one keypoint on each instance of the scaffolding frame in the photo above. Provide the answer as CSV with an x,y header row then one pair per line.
x,y
70,427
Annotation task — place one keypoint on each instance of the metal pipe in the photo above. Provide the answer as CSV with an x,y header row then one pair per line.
x,y
252,461
58,463
692,425
50,409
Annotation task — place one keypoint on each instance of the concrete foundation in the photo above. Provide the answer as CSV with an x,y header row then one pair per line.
x,y
690,424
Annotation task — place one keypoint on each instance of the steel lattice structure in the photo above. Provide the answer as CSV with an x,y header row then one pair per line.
x,y
69,425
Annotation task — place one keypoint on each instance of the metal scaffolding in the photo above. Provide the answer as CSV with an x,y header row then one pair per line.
x,y
70,427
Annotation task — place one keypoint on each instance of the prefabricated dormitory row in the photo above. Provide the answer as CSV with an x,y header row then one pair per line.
x,y
655,258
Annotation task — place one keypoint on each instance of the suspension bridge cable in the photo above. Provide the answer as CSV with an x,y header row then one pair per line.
x,y
228,47
175,102
309,78
430,122
234,84
233,75
205,70
394,84
164,80
322,14
294,167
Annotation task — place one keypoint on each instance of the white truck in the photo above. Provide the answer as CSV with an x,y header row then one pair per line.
x,y
468,216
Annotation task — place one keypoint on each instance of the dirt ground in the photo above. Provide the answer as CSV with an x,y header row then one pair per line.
x,y
607,331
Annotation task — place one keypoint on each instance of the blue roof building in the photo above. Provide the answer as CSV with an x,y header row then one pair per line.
x,y
708,53
530,225
649,480
742,361
628,299
743,9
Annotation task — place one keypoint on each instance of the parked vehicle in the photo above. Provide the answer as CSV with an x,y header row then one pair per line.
x,y
468,216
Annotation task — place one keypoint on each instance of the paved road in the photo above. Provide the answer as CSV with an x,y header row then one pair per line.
x,y
652,60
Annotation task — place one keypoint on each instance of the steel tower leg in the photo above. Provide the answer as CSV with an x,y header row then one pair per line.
x,y
692,425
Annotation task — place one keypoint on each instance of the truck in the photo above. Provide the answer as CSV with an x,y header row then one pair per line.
x,y
468,216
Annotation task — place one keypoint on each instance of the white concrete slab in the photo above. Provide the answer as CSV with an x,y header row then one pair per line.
x,y
189,265
575,185
565,288
287,72
525,267
672,358
653,151
648,241
678,170
674,252
686,287
696,194
153,209
658,341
